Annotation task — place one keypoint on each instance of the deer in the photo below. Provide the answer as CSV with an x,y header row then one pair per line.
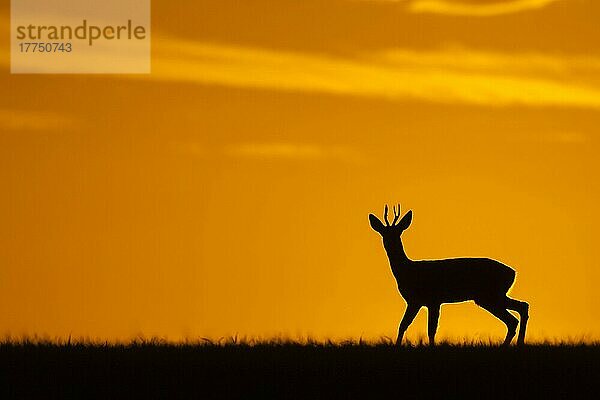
x,y
431,283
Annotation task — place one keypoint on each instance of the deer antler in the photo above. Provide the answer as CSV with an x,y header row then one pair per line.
x,y
396,214
385,215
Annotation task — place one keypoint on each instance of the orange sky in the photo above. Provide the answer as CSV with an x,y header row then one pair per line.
x,y
228,191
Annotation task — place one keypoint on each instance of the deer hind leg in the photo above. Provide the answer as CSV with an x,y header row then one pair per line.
x,y
511,322
523,309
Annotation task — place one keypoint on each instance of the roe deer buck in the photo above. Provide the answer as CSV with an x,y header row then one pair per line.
x,y
430,283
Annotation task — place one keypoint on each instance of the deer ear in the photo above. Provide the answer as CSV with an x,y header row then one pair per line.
x,y
376,224
405,221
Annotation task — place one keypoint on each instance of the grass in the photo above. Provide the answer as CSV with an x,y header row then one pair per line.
x,y
278,368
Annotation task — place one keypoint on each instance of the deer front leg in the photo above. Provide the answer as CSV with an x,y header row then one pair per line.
x,y
407,319
433,316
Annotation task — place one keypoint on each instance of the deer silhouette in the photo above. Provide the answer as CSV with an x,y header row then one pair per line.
x,y
430,283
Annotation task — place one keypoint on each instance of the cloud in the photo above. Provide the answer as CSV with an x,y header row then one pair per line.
x,y
457,59
449,76
274,151
294,151
19,120
563,137
278,150
567,137
557,137
195,149
448,7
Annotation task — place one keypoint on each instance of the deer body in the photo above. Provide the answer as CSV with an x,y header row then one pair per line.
x,y
452,280
431,283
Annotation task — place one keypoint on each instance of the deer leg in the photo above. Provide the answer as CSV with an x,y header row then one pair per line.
x,y
523,309
503,315
433,316
409,316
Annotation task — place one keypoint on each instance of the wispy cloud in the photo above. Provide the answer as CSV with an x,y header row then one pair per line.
x,y
296,151
458,8
20,120
558,137
568,137
275,151
445,76
279,150
571,69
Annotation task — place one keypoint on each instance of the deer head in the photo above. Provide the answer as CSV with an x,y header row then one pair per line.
x,y
391,232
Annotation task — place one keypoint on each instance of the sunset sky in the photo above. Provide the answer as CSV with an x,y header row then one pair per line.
x,y
227,192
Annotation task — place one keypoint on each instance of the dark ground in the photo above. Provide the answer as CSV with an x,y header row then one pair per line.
x,y
288,370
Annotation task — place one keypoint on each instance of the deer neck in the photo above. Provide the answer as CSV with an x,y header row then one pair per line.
x,y
396,254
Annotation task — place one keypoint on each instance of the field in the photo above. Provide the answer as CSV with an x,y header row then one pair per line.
x,y
281,369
